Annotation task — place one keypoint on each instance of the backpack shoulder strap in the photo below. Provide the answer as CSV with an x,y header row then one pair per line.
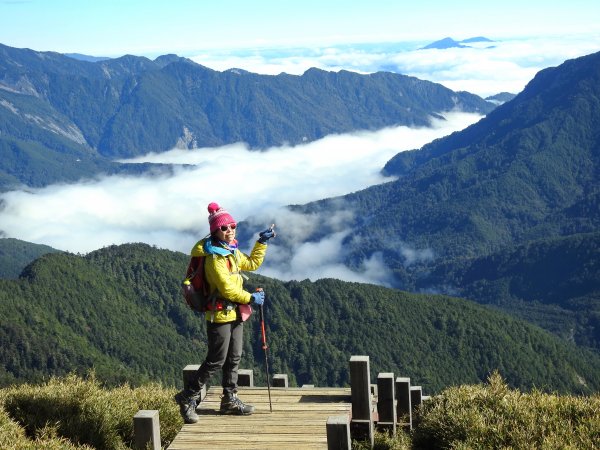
x,y
196,263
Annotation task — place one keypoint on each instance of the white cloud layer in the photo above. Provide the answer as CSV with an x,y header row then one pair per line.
x,y
169,211
505,65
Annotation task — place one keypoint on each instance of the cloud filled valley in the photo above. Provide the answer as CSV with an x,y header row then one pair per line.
x,y
504,65
169,210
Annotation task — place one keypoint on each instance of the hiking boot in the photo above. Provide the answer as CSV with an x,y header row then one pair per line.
x,y
187,406
231,404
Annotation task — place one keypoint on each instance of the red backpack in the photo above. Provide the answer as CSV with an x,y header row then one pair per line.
x,y
196,290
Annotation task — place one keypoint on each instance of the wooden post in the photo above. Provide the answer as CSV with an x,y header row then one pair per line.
x,y
189,379
360,389
246,377
280,380
386,402
416,396
374,391
338,433
403,404
146,430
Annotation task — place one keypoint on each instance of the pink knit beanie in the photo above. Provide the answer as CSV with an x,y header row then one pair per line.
x,y
217,216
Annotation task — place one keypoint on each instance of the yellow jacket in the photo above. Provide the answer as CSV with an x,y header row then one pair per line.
x,y
228,282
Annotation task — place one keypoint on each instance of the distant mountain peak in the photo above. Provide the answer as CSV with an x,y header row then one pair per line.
x,y
165,60
87,58
475,39
501,97
237,71
443,44
448,42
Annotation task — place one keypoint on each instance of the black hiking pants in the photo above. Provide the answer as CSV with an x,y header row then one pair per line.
x,y
225,341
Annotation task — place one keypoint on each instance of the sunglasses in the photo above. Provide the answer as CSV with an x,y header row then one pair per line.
x,y
230,226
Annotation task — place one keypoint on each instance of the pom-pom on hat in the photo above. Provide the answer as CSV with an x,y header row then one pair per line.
x,y
217,216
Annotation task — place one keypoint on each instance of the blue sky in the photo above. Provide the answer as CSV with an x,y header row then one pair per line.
x,y
151,27
272,37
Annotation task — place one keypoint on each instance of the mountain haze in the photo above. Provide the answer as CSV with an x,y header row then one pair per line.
x,y
62,118
448,42
524,177
505,213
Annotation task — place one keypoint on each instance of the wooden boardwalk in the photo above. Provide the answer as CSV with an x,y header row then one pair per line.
x,y
298,420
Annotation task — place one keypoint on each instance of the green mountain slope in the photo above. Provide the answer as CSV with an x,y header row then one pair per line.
x,y
89,111
527,173
64,314
551,282
119,310
16,254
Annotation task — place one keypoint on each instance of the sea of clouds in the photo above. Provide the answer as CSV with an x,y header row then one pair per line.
x,y
169,210
485,68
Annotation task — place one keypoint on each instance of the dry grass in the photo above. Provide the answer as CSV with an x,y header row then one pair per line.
x,y
495,416
74,413
78,413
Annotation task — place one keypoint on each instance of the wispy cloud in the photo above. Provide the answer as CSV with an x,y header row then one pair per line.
x,y
169,211
504,65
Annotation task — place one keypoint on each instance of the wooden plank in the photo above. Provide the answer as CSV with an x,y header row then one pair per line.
x,y
256,437
285,391
306,419
247,444
332,408
298,420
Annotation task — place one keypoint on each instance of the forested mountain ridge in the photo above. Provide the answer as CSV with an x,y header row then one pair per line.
x,y
119,310
525,176
558,107
15,254
553,282
62,119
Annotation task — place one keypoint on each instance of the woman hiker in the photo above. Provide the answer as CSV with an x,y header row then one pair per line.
x,y
224,326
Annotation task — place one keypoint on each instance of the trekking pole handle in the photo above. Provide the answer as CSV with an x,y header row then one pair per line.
x,y
262,324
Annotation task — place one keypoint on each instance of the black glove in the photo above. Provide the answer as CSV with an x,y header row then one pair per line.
x,y
266,235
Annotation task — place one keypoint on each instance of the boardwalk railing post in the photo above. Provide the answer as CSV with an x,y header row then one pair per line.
x,y
280,380
360,390
189,377
416,396
246,377
386,402
403,404
338,433
146,430
374,390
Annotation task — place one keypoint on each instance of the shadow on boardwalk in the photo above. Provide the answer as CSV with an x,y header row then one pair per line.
x,y
298,420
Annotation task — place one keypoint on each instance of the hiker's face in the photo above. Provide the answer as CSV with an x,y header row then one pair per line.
x,y
227,232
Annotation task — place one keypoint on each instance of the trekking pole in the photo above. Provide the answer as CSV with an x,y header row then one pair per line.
x,y
264,346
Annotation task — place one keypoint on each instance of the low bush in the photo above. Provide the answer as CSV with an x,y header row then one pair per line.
x,y
495,416
72,412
